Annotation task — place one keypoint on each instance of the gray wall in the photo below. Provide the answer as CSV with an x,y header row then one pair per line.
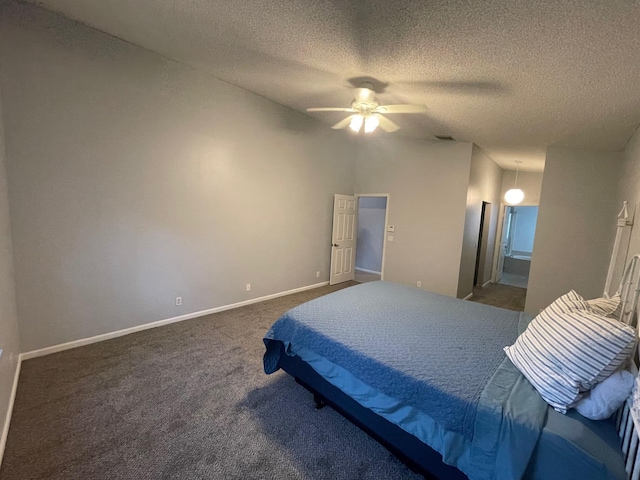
x,y
485,182
576,225
427,183
134,180
371,229
9,341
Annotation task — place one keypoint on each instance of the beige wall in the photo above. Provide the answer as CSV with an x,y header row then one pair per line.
x,y
576,225
485,182
9,341
427,183
134,180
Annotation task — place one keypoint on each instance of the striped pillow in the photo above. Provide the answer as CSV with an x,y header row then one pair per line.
x,y
566,350
568,302
609,307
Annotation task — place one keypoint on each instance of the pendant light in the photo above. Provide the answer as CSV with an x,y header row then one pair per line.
x,y
514,196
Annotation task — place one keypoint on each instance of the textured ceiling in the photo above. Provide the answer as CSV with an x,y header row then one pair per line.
x,y
512,76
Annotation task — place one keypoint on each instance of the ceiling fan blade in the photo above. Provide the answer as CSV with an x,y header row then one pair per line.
x,y
331,109
387,125
343,123
401,109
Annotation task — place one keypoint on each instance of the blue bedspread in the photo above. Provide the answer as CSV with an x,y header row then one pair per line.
x,y
431,364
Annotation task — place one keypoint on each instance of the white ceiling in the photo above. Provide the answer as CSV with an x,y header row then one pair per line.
x,y
512,76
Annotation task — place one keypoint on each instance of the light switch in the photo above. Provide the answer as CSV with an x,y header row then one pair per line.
x,y
391,228
390,238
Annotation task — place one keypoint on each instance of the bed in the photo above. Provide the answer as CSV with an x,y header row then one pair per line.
x,y
426,375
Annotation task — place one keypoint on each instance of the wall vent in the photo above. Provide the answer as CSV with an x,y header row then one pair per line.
x,y
445,137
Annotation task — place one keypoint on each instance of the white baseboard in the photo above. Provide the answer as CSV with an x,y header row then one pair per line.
x,y
368,271
468,296
486,283
119,333
12,398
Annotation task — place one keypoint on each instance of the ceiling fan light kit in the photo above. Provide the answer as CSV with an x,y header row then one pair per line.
x,y
371,123
367,111
356,122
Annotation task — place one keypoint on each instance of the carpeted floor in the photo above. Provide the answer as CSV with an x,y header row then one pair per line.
x,y
184,401
499,295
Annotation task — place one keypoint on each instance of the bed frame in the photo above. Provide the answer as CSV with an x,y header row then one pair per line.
x,y
628,417
627,424
417,455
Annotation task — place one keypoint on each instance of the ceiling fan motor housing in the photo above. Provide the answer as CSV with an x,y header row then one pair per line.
x,y
365,100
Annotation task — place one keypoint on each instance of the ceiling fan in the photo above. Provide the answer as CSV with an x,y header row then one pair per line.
x,y
367,111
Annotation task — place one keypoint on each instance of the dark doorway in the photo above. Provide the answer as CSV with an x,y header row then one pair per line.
x,y
483,240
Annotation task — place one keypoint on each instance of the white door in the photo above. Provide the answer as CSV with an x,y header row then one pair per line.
x,y
343,239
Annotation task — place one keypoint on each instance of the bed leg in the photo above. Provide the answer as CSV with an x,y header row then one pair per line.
x,y
320,402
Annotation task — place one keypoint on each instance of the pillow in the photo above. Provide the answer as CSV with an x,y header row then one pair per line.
x,y
606,397
568,302
608,307
567,349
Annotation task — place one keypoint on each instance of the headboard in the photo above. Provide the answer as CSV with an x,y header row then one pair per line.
x,y
629,291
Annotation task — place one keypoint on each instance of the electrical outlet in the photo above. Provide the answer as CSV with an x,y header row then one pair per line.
x,y
248,287
178,301
318,274
418,284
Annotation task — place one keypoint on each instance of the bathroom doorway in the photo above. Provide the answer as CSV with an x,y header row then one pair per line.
x,y
516,245
372,220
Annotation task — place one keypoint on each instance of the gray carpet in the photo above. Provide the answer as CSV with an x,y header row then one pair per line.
x,y
184,401
505,296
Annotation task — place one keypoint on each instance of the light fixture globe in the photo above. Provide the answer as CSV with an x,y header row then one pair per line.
x,y
371,123
356,123
514,196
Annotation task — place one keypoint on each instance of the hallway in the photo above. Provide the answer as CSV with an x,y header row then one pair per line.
x,y
498,295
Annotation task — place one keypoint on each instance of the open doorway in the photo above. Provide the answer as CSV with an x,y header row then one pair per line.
x,y
516,245
372,221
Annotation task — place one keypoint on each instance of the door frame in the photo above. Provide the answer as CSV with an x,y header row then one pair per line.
x,y
386,225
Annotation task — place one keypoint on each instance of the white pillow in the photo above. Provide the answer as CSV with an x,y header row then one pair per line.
x,y
568,349
606,397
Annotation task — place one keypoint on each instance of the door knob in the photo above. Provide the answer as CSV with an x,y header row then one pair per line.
x,y
335,245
